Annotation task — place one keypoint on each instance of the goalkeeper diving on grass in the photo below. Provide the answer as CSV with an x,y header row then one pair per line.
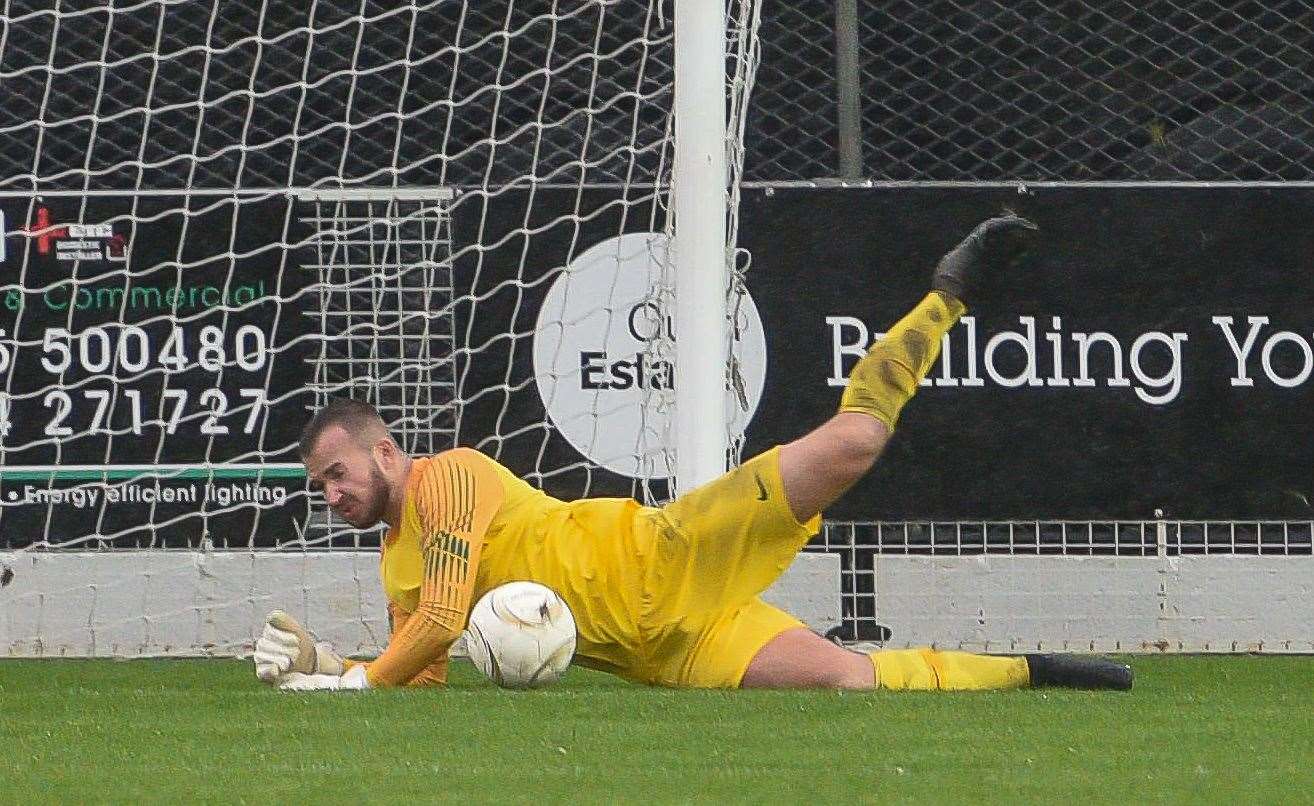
x,y
665,596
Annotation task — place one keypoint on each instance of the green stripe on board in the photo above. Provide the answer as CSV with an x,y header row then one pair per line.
x,y
187,473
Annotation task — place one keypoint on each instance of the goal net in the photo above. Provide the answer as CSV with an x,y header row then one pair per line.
x,y
218,215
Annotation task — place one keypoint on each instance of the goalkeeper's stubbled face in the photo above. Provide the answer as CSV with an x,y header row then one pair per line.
x,y
353,484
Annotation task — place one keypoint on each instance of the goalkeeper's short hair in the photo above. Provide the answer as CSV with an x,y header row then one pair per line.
x,y
356,417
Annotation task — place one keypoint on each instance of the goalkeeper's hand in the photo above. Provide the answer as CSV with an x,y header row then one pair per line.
x,y
285,647
995,245
353,680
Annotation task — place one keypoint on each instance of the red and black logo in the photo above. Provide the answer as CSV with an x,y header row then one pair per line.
x,y
45,231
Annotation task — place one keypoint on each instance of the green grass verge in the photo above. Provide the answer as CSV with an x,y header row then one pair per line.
x,y
1195,729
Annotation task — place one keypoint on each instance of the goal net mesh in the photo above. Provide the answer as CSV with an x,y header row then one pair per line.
x,y
218,215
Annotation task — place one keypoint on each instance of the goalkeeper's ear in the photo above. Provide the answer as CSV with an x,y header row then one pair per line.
x,y
388,455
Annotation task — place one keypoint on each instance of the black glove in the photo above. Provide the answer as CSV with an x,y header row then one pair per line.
x,y
993,246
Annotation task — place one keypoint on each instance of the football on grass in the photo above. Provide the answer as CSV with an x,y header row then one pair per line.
x,y
521,635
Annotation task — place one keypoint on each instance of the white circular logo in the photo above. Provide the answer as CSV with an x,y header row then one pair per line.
x,y
603,357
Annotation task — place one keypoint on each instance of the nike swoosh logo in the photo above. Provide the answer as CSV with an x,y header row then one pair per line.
x,y
761,488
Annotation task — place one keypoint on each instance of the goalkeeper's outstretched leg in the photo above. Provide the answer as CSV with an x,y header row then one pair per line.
x,y
802,659
818,468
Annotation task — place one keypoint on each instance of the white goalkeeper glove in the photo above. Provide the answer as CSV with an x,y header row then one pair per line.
x,y
286,647
353,680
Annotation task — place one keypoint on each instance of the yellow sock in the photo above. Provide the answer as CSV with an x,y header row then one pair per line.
x,y
927,669
887,376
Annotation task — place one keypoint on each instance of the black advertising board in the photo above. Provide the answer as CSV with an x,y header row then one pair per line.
x,y
154,366
1154,352
1190,306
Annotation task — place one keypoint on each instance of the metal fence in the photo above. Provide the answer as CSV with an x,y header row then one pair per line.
x,y
939,90
964,90
865,540
862,545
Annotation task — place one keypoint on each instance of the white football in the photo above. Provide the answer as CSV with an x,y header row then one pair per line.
x,y
521,635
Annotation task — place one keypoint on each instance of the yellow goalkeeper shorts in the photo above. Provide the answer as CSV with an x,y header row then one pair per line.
x,y
714,550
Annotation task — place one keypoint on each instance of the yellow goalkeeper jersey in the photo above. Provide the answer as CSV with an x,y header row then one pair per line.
x,y
468,525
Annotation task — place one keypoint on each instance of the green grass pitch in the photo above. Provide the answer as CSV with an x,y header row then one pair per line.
x,y
1195,729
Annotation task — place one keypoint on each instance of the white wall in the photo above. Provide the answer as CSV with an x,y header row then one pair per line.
x,y
190,603
1104,604
183,602
134,603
